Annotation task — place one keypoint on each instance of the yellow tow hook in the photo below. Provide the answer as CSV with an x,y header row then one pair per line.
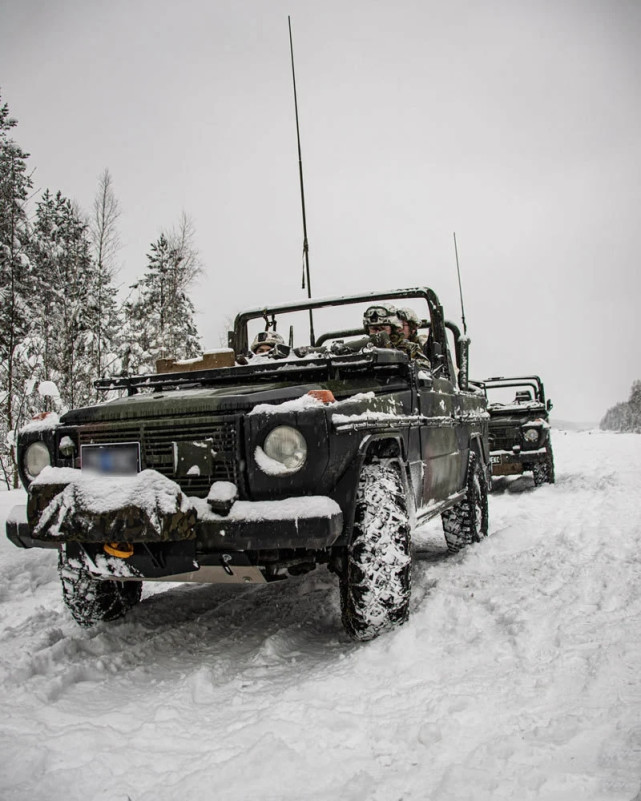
x,y
121,549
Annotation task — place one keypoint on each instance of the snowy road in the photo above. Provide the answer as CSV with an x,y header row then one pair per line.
x,y
517,677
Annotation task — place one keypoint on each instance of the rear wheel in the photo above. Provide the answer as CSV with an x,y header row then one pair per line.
x,y
544,471
91,600
376,575
468,521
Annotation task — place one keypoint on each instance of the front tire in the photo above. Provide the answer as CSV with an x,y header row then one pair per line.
x,y
376,575
91,600
544,471
468,521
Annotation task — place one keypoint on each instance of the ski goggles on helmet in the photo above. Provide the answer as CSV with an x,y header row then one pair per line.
x,y
380,315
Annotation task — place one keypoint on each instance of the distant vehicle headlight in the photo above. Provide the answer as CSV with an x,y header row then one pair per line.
x,y
36,458
531,434
286,445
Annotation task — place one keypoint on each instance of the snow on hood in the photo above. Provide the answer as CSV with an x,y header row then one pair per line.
x,y
296,405
45,423
310,402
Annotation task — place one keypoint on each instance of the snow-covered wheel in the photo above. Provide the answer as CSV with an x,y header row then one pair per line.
x,y
376,576
544,471
468,521
90,600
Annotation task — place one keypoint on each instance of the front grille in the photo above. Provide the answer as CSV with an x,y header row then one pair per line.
x,y
504,438
158,437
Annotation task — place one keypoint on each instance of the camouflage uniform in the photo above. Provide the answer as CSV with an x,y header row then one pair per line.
x,y
409,315
397,341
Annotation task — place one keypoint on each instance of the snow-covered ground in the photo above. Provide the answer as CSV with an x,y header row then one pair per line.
x,y
517,677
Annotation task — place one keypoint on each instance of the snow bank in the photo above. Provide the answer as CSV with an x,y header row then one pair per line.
x,y
517,676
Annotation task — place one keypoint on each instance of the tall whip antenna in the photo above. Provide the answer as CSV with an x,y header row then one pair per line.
x,y
460,288
306,277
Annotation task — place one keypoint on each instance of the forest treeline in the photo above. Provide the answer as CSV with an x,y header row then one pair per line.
x,y
63,322
625,416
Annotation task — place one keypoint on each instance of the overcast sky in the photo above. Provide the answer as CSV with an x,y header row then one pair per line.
x,y
515,124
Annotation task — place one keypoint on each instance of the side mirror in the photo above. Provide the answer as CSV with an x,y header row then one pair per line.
x,y
549,405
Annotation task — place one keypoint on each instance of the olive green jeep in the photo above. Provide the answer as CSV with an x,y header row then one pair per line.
x,y
326,450
520,434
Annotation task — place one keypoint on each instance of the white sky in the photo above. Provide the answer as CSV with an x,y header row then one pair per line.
x,y
515,124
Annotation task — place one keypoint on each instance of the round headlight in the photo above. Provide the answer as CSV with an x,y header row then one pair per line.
x,y
286,445
36,458
531,434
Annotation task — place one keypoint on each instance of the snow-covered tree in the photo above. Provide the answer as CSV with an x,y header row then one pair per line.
x,y
625,416
160,314
15,290
64,332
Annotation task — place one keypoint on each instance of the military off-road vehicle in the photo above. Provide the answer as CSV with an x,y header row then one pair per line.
x,y
252,468
520,438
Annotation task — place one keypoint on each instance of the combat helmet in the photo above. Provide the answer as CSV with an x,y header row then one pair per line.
x,y
410,316
270,338
381,314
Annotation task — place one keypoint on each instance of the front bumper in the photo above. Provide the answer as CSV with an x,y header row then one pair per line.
x,y
311,522
509,463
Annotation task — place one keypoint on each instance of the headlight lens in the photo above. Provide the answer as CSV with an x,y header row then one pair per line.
x,y
36,458
286,445
531,434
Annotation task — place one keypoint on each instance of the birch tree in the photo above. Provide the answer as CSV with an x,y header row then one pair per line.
x,y
104,322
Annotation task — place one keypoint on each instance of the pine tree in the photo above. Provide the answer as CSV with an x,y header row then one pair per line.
x,y
15,291
160,317
64,270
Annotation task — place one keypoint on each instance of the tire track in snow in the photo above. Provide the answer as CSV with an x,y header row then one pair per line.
x,y
516,676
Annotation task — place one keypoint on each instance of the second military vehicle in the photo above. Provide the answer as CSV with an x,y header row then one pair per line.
x,y
520,437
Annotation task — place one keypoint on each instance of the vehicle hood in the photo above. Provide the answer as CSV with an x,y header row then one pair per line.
x,y
199,400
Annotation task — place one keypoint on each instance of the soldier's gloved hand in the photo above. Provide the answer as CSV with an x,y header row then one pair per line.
x,y
381,339
303,350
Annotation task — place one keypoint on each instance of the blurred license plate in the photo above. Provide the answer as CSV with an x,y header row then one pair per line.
x,y
122,459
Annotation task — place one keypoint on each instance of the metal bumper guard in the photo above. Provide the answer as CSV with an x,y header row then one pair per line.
x,y
303,522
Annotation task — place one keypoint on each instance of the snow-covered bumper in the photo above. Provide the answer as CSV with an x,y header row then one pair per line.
x,y
65,506
506,463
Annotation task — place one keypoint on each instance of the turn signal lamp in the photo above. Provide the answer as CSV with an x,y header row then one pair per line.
x,y
323,395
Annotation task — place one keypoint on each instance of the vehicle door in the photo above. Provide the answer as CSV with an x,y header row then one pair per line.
x,y
439,437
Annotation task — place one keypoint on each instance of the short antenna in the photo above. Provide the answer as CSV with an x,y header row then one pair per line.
x,y
460,288
306,277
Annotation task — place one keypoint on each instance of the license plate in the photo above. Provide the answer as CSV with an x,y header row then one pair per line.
x,y
495,460
121,459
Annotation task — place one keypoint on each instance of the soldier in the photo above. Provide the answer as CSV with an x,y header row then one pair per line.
x,y
264,343
385,329
411,323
